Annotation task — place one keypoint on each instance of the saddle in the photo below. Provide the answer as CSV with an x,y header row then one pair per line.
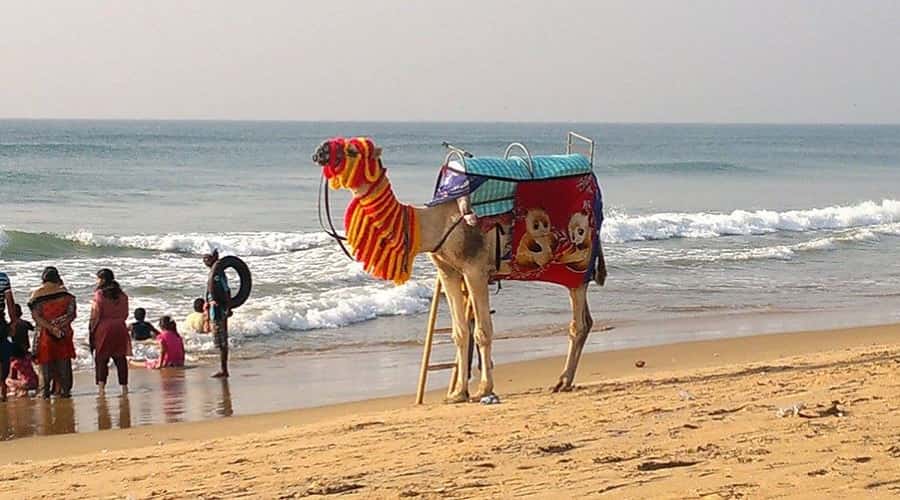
x,y
553,203
490,183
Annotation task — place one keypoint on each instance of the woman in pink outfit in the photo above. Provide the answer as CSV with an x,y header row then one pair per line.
x,y
109,337
171,346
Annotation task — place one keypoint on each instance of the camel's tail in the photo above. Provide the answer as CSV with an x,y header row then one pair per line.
x,y
600,267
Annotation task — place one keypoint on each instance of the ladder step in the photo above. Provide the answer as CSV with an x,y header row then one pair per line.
x,y
448,329
441,366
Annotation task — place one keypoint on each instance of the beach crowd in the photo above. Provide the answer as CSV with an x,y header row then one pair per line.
x,y
110,335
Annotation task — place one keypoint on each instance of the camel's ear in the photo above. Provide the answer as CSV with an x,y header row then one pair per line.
x,y
376,153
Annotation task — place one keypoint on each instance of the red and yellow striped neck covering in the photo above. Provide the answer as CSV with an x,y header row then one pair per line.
x,y
382,232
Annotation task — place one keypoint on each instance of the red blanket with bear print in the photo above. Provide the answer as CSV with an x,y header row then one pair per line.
x,y
556,231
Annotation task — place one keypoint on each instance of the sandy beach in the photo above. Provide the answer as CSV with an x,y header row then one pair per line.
x,y
804,414
301,196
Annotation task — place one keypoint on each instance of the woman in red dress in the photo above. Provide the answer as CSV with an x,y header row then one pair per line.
x,y
53,310
108,333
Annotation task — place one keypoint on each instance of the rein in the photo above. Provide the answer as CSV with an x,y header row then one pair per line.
x,y
330,230
447,234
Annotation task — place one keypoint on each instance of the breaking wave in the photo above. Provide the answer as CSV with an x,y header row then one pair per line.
x,y
617,228
247,243
643,255
663,226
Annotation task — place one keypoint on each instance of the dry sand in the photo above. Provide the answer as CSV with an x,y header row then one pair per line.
x,y
700,420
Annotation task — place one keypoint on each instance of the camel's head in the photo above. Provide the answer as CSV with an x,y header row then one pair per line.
x,y
350,163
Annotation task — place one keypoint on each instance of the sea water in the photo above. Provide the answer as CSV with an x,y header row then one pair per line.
x,y
701,220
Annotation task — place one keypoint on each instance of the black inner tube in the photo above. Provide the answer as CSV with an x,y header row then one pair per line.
x,y
240,267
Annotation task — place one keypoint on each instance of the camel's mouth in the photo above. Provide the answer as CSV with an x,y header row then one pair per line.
x,y
349,162
330,154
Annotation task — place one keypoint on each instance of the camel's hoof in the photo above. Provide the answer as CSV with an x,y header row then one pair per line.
x,y
562,386
480,394
457,398
483,390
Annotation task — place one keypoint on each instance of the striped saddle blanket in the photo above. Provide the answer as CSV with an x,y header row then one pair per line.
x,y
491,183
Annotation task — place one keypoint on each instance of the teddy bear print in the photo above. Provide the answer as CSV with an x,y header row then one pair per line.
x,y
578,253
537,245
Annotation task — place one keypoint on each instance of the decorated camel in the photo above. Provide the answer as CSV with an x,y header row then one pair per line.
x,y
471,251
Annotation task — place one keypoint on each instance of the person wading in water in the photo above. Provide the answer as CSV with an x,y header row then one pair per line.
x,y
218,302
53,310
7,302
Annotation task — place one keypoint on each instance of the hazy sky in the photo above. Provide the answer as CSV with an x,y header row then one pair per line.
x,y
535,60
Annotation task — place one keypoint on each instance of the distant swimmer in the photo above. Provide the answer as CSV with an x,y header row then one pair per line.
x,y
197,321
142,329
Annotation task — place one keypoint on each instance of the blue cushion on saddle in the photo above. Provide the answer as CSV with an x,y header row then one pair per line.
x,y
496,194
516,169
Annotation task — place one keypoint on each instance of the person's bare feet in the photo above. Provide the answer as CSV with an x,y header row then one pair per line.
x,y
220,375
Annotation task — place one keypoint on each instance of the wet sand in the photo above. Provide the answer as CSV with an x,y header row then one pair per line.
x,y
699,420
313,379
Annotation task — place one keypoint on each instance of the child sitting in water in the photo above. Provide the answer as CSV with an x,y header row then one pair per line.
x,y
140,329
197,320
22,377
171,347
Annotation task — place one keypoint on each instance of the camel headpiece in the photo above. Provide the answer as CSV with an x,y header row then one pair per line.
x,y
349,163
383,234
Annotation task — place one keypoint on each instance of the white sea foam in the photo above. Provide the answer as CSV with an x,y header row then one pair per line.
x,y
640,255
887,229
617,228
261,243
622,228
332,309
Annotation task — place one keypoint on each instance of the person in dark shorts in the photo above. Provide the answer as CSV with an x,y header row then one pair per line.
x,y
142,329
6,351
21,331
7,303
218,304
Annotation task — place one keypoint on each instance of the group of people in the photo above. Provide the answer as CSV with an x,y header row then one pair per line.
x,y
53,309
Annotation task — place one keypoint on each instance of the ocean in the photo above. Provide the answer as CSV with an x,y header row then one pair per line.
x,y
702,221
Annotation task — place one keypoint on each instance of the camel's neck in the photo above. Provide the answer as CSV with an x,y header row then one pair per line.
x,y
434,223
383,233
386,235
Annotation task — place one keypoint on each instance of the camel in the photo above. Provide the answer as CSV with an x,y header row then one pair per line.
x,y
386,235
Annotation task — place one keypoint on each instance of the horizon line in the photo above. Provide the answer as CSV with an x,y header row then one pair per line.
x,y
503,122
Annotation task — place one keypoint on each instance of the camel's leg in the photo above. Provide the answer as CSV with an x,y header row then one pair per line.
x,y
459,387
479,294
581,325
